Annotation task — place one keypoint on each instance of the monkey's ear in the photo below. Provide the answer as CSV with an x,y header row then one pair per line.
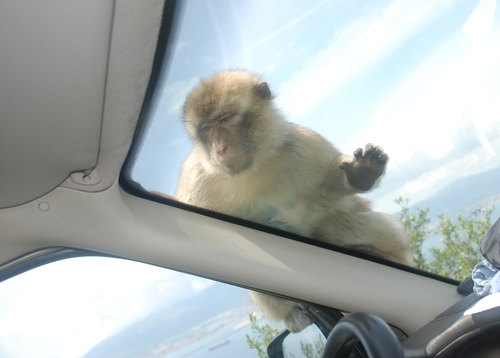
x,y
263,90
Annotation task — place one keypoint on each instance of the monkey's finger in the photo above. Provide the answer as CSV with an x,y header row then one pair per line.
x,y
383,159
378,151
346,166
358,153
373,151
368,149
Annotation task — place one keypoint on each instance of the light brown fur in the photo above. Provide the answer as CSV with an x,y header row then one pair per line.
x,y
248,161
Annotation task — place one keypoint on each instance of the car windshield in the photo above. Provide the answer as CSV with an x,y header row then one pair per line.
x,y
107,307
420,79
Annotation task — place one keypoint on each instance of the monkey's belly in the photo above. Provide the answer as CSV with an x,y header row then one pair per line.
x,y
288,216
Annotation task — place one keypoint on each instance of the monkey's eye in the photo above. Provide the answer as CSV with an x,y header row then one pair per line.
x,y
224,118
204,127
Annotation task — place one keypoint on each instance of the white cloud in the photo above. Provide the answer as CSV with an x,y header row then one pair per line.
x,y
485,116
182,287
65,308
479,24
455,90
364,42
430,182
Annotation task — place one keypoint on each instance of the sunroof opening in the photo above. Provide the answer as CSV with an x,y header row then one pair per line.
x,y
420,79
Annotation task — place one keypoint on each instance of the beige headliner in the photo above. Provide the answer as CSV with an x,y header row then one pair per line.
x,y
103,218
117,223
59,98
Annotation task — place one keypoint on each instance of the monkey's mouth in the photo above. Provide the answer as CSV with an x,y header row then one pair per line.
x,y
232,164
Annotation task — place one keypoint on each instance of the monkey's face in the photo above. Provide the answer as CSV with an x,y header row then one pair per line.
x,y
228,141
223,115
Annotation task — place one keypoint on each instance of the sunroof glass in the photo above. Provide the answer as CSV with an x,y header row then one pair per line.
x,y
420,79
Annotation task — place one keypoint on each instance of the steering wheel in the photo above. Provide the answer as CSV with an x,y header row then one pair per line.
x,y
377,338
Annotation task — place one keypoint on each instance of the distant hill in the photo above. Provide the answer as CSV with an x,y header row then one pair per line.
x,y
141,338
465,194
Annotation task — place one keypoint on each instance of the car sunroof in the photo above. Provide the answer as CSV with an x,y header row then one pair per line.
x,y
419,79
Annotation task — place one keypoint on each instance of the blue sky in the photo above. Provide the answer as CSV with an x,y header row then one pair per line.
x,y
419,78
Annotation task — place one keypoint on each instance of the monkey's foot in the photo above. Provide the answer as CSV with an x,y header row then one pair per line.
x,y
366,167
298,318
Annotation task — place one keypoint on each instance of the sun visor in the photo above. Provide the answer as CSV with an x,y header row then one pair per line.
x,y
52,82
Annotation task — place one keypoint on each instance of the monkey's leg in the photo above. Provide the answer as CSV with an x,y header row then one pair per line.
x,y
386,236
295,315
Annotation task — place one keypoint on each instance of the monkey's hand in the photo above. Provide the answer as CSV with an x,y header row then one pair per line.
x,y
366,167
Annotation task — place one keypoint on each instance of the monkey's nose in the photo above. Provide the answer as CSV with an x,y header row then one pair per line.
x,y
220,150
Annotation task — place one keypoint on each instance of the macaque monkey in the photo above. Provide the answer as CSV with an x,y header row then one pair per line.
x,y
249,162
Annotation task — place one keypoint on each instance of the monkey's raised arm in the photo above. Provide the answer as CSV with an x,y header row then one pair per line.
x,y
344,174
359,173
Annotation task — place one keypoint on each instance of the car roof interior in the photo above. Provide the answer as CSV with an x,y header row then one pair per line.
x,y
78,83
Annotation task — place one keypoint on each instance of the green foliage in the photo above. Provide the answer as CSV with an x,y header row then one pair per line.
x,y
416,226
460,238
461,244
265,334
310,350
